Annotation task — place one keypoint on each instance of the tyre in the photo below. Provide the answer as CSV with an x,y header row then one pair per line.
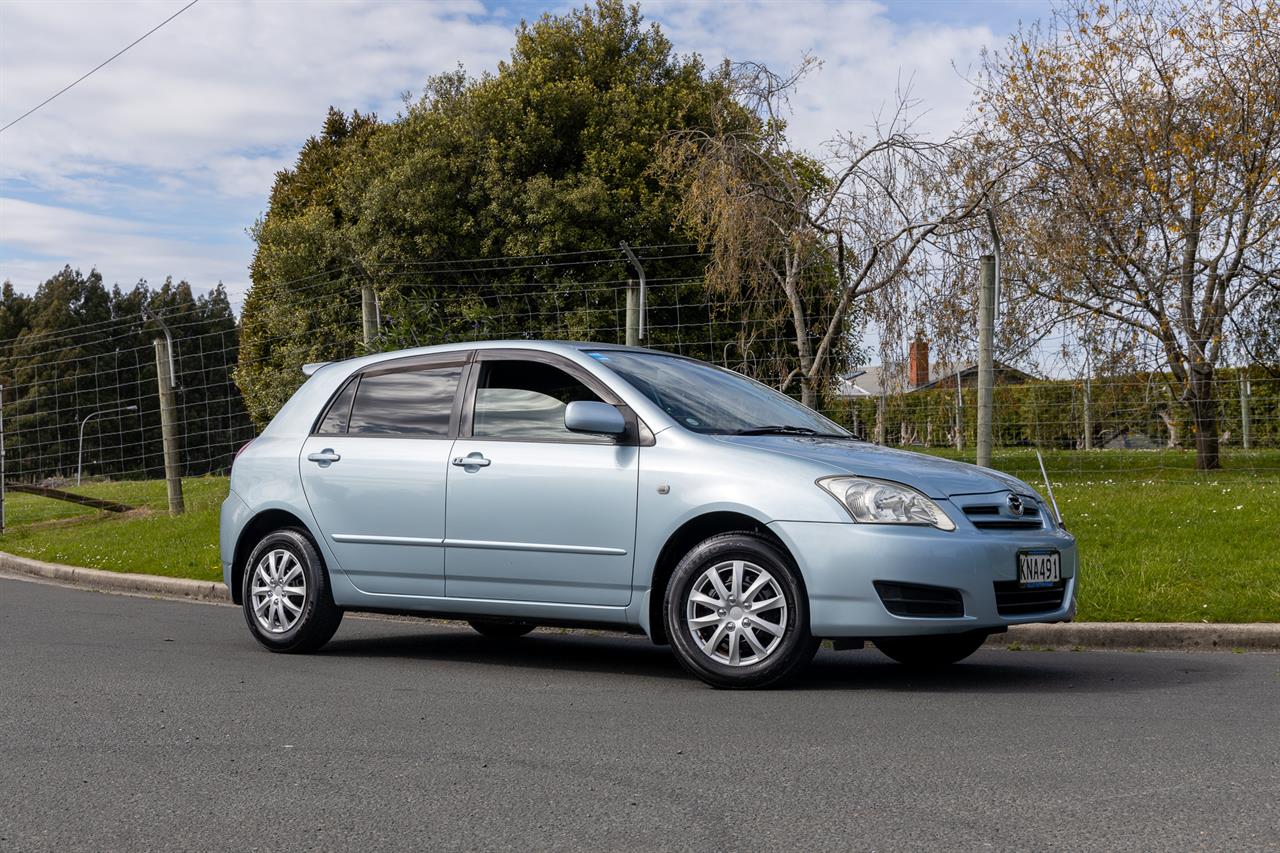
x,y
930,651
285,594
501,630
736,613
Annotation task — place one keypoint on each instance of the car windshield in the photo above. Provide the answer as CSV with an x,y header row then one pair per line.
x,y
708,399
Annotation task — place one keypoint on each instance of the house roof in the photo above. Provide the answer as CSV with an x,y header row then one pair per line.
x,y
970,370
870,381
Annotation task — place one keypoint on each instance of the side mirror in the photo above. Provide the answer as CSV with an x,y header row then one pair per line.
x,y
591,416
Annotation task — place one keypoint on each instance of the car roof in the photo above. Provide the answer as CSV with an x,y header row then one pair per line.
x,y
324,377
563,347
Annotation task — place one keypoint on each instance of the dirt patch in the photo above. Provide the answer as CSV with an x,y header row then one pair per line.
x,y
139,512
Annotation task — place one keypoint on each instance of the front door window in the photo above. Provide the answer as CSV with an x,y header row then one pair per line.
x,y
525,401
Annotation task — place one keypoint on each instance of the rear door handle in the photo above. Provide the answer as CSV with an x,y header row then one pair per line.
x,y
472,460
325,457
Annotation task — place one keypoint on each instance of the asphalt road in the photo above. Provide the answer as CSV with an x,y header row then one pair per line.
x,y
134,724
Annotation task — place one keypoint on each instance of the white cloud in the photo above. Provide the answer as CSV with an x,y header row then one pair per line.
x,y
43,238
866,56
191,125
222,77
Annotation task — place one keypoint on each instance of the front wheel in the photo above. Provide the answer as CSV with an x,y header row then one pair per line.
x,y
736,613
285,594
930,651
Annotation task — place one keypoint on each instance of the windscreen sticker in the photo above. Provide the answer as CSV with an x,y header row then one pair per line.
x,y
598,356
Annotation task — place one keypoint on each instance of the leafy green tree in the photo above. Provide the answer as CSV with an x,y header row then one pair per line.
x,y
76,348
13,312
1150,198
554,153
305,283
50,367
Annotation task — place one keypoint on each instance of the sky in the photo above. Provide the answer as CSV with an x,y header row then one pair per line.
x,y
159,163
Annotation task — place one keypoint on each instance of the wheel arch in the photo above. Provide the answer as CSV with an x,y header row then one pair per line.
x,y
682,540
251,534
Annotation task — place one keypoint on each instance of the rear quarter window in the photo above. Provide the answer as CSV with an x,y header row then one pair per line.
x,y
334,421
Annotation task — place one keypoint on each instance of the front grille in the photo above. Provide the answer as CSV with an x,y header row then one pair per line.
x,y
988,517
1014,600
909,599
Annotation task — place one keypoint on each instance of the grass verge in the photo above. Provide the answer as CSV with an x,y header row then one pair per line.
x,y
1162,542
146,540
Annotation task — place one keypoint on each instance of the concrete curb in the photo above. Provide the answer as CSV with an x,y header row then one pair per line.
x,y
1183,636
98,579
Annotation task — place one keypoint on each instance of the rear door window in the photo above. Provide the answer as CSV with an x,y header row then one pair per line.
x,y
414,401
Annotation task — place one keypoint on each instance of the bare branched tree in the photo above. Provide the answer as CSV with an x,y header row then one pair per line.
x,y
828,232
1152,198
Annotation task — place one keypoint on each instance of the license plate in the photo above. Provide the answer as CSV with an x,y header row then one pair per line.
x,y
1039,569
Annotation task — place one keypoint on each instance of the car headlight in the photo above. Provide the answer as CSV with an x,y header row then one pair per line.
x,y
883,502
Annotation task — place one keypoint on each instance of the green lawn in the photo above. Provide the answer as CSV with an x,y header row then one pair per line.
x,y
1159,541
147,541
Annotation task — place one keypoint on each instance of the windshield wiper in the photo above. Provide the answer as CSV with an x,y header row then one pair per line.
x,y
788,429
777,429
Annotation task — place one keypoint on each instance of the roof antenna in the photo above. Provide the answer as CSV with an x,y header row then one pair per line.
x,y
1049,487
639,269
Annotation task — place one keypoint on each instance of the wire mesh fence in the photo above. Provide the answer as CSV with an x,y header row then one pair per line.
x,y
1135,412
81,399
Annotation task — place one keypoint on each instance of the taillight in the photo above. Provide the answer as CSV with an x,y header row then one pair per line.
x,y
242,449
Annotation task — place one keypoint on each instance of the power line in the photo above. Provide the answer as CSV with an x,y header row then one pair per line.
x,y
100,66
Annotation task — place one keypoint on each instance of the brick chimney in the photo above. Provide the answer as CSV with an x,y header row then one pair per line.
x,y
918,362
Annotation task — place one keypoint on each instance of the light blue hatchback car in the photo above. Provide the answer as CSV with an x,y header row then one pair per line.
x,y
520,483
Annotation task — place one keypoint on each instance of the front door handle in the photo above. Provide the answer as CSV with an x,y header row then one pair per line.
x,y
325,457
474,459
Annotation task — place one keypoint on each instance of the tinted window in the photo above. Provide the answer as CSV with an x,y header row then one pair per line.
x,y
526,400
334,421
416,402
705,398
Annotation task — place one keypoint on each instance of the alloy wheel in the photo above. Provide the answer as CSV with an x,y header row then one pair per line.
x,y
736,613
279,591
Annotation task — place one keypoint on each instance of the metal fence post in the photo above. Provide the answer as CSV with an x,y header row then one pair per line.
x,y
882,411
641,308
959,412
169,428
1088,416
986,365
1244,410
633,315
369,322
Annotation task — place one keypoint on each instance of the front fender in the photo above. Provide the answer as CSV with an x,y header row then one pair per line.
x,y
685,476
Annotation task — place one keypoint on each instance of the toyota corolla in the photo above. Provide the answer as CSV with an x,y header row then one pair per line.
x,y
518,484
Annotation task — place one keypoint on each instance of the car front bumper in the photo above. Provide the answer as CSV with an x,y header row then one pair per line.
x,y
840,563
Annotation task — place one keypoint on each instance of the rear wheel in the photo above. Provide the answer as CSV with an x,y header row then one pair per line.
x,y
929,651
736,613
501,630
285,594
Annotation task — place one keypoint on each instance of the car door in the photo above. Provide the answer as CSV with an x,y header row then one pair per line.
x,y
375,472
535,512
